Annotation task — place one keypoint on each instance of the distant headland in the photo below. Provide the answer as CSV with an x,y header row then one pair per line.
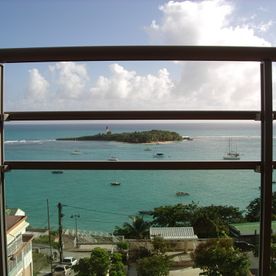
x,y
151,136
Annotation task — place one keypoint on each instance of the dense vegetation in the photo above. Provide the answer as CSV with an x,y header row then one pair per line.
x,y
150,136
219,257
207,221
99,263
254,209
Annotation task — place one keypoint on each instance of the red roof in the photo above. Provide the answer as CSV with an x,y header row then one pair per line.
x,y
12,221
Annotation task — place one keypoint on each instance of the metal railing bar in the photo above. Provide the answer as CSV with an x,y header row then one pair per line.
x,y
131,165
3,237
267,164
131,115
111,53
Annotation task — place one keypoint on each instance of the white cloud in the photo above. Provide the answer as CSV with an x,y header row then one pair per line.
x,y
38,85
129,89
211,85
37,93
219,85
72,78
200,85
65,88
202,23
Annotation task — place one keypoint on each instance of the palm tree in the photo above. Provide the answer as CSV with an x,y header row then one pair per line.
x,y
137,229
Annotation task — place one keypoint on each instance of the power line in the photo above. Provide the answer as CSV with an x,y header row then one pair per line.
x,y
97,211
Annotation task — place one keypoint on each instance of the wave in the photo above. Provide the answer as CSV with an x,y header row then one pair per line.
x,y
26,142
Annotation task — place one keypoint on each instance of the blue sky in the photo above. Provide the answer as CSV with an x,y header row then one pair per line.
x,y
79,22
134,85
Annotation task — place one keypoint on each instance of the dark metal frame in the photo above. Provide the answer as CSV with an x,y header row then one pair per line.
x,y
264,55
3,236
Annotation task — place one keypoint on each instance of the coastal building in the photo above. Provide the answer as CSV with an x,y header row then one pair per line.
x,y
19,246
182,238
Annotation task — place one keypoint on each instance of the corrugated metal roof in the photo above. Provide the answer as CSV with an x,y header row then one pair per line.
x,y
173,233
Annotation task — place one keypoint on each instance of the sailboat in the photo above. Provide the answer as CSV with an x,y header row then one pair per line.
x,y
231,154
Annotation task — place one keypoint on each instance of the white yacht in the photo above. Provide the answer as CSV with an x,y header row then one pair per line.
x,y
231,154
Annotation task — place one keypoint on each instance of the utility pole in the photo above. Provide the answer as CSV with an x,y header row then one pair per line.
x,y
60,215
76,226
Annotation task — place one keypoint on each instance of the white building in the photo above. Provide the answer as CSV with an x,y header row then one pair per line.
x,y
19,246
183,238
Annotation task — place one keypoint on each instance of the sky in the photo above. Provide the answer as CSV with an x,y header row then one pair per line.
x,y
134,85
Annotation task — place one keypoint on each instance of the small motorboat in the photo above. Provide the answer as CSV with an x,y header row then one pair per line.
x,y
182,194
113,158
115,183
159,155
76,152
57,172
187,138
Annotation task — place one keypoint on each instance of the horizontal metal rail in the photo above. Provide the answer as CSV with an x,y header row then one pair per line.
x,y
131,165
132,115
111,53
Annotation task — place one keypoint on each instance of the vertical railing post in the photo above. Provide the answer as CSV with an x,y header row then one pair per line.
x,y
3,239
266,172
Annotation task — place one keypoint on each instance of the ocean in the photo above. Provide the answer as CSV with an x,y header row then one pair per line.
x,y
90,194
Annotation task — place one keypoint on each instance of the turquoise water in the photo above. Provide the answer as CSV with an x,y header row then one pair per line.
x,y
102,206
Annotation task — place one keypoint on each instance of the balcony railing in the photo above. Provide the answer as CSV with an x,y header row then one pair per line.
x,y
193,53
15,245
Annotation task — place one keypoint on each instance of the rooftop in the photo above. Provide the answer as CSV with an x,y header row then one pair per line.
x,y
12,221
173,233
252,228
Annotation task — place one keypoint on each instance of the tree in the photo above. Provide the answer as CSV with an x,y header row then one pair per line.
x,y
186,215
227,214
83,267
160,246
206,227
254,209
99,261
97,265
213,221
219,257
122,245
139,253
171,216
137,229
156,265
117,266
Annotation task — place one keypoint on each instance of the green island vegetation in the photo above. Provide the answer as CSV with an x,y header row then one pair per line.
x,y
151,136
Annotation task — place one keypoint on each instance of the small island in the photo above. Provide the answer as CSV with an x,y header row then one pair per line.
x,y
151,136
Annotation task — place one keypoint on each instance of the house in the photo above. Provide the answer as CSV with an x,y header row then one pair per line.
x,y
19,246
183,238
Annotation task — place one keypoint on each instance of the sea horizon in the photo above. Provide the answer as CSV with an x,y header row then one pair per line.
x,y
102,206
